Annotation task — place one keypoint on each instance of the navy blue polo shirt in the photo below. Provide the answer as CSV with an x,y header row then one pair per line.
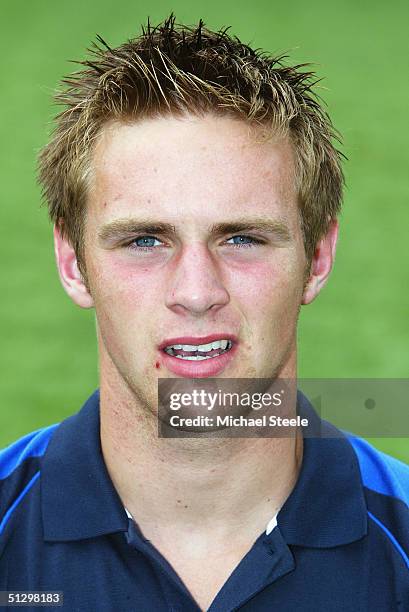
x,y
341,541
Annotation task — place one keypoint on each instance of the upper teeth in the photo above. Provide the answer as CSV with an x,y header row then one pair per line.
x,y
218,344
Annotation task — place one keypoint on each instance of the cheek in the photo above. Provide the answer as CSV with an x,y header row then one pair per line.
x,y
268,286
269,295
124,303
123,287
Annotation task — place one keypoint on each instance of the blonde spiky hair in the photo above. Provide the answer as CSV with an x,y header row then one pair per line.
x,y
175,69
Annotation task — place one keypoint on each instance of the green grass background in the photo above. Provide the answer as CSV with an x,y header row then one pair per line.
x,y
358,327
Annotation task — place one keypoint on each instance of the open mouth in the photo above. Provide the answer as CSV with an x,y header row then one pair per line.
x,y
190,352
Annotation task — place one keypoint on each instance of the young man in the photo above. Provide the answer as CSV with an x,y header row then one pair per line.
x,y
194,189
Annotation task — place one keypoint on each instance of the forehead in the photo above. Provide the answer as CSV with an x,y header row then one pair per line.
x,y
172,163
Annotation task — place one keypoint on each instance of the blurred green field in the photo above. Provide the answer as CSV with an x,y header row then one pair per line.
x,y
357,328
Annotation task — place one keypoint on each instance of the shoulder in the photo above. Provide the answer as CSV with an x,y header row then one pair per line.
x,y
386,488
33,444
20,468
381,472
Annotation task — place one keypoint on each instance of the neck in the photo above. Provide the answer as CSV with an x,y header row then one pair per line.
x,y
201,486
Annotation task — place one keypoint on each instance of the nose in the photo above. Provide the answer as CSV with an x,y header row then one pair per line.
x,y
196,285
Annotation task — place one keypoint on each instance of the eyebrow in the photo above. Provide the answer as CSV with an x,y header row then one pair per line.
x,y
121,229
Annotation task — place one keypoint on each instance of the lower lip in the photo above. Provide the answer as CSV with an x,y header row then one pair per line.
x,y
198,369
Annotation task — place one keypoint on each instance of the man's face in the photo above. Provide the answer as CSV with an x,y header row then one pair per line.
x,y
148,287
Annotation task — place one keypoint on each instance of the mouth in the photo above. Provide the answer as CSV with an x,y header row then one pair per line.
x,y
198,357
191,352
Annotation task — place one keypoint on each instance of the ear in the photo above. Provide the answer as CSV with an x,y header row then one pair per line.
x,y
322,263
70,276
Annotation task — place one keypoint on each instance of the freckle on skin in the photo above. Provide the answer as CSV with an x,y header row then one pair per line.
x,y
185,506
178,501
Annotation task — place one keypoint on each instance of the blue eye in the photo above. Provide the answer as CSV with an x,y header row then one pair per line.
x,y
241,243
144,242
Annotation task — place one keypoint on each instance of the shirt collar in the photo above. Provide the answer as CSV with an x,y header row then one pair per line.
x,y
77,495
326,507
